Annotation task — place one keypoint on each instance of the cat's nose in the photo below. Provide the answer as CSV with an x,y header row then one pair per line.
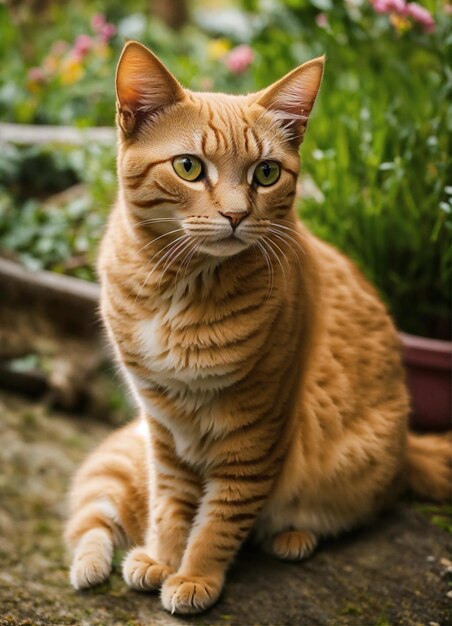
x,y
235,217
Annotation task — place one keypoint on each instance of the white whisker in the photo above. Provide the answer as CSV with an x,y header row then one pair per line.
x,y
294,230
187,261
174,255
286,239
168,252
153,220
270,242
287,236
176,230
269,266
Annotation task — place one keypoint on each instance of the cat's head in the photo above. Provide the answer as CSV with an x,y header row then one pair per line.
x,y
220,168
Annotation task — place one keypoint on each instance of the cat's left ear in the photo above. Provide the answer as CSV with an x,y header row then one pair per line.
x,y
143,86
293,96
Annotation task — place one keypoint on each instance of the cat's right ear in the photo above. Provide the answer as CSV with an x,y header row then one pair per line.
x,y
143,86
292,97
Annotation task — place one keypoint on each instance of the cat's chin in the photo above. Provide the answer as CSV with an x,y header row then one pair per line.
x,y
224,247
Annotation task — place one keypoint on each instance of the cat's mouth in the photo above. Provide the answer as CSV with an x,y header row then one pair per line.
x,y
218,238
232,237
225,246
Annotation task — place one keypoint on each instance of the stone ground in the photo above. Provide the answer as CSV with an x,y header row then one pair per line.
x,y
393,573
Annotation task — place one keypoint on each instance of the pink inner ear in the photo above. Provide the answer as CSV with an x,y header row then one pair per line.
x,y
295,94
296,98
142,81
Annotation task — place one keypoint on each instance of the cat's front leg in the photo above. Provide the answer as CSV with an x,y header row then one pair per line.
x,y
233,498
174,492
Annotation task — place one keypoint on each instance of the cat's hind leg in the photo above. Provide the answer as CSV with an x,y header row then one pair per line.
x,y
292,545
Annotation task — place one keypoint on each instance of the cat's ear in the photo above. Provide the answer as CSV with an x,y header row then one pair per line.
x,y
143,85
292,97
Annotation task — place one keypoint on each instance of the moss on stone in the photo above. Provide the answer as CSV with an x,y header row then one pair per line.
x,y
387,574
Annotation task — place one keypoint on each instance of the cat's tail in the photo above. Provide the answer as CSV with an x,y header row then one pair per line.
x,y
429,465
90,536
108,505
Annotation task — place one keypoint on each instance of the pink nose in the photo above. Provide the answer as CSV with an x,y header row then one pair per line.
x,y
235,218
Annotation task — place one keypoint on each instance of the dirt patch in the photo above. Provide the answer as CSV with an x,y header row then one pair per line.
x,y
389,574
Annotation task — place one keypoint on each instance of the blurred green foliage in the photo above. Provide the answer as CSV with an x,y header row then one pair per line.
x,y
59,233
377,148
440,514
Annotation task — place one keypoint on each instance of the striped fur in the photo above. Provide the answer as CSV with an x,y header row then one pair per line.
x,y
266,369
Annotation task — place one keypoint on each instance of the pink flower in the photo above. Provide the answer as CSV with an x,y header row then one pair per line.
x,y
390,6
421,16
60,47
321,20
76,55
239,59
97,22
36,74
83,45
380,6
107,32
397,6
400,8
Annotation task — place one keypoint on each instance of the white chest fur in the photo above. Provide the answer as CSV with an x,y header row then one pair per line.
x,y
173,366
192,384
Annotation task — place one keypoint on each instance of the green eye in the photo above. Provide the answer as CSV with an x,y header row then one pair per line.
x,y
267,173
188,167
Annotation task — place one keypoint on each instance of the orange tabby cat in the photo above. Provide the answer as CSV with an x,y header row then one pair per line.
x,y
266,369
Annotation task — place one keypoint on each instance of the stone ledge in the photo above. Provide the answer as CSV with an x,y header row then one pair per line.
x,y
389,574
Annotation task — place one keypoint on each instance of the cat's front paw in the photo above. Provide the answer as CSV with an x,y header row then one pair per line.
x,y
294,545
182,594
142,572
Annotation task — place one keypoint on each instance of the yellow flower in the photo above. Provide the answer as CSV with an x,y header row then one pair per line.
x,y
51,63
71,71
400,23
102,50
217,48
34,87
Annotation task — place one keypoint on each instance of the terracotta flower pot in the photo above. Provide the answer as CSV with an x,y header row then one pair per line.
x,y
429,375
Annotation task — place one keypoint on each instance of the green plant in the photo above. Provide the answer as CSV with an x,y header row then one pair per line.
x,y
65,73
377,149
60,234
378,146
440,514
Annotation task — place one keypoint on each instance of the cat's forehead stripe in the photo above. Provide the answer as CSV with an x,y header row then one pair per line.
x,y
228,129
